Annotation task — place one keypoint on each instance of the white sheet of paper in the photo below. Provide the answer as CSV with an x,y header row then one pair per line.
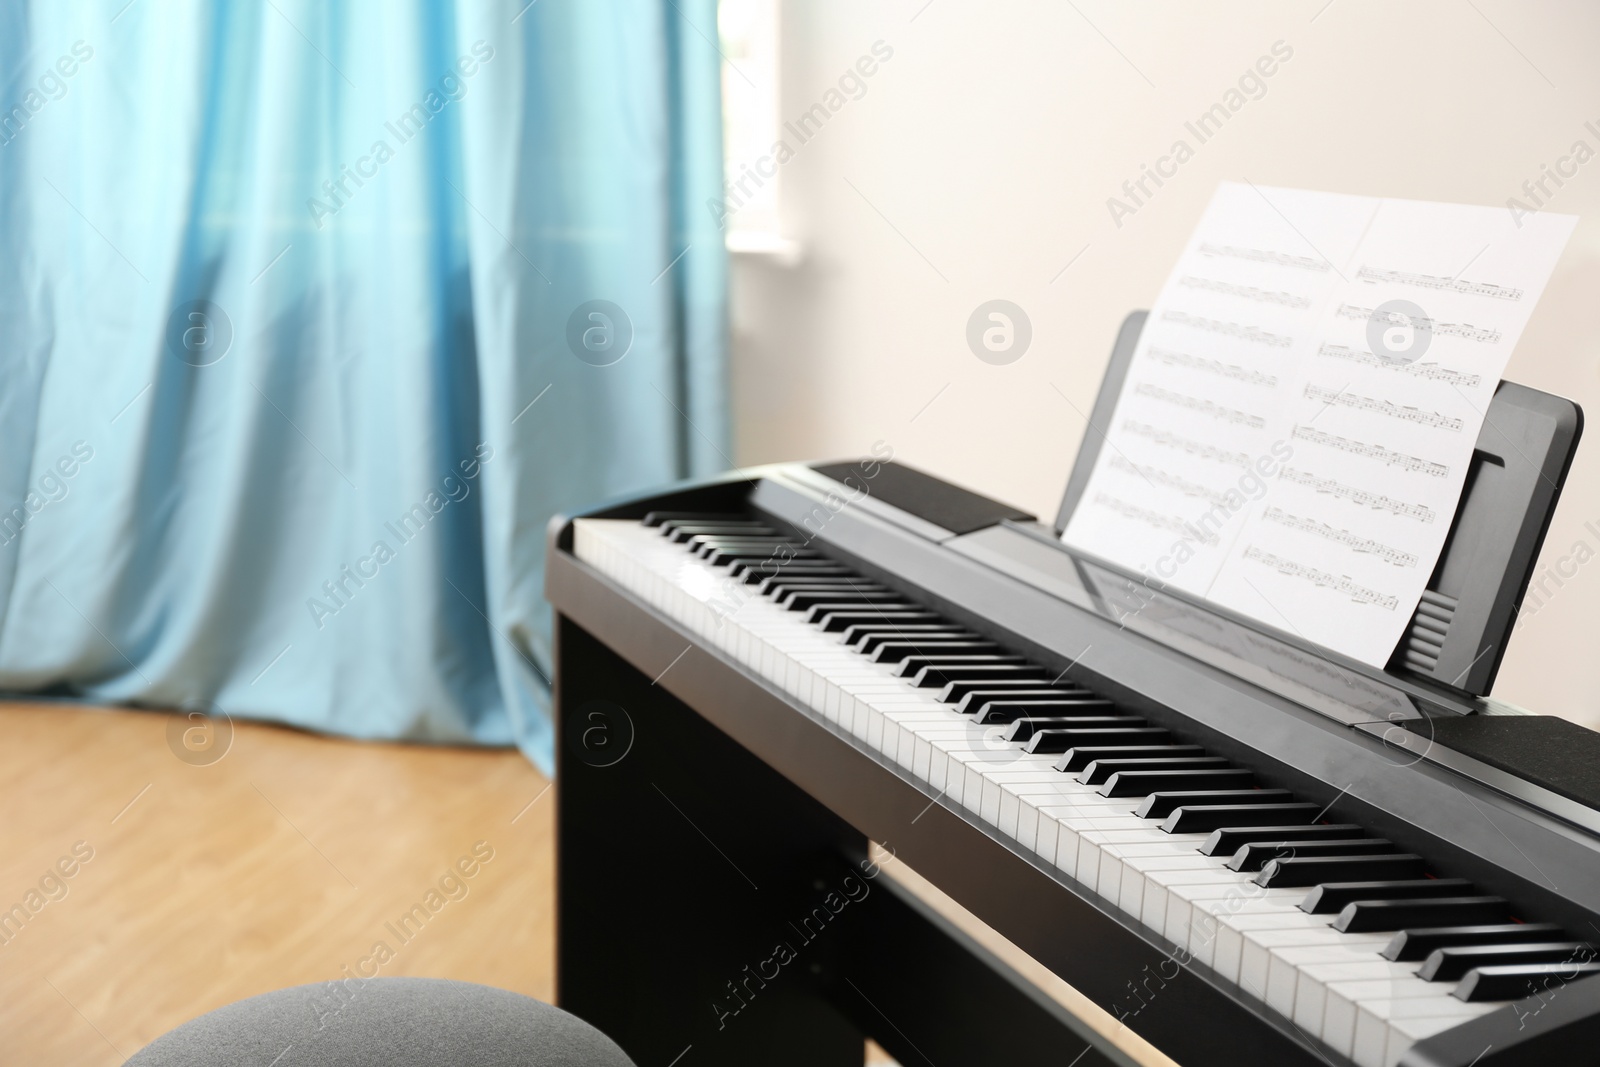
x,y
1289,442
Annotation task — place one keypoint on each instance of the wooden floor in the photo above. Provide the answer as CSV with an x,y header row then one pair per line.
x,y
279,864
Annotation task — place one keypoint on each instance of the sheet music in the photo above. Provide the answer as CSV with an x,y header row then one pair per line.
x,y
1297,421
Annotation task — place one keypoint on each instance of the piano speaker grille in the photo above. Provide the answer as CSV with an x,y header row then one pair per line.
x,y
1428,627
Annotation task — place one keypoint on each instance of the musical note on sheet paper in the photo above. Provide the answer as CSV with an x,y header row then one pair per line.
x,y
1298,418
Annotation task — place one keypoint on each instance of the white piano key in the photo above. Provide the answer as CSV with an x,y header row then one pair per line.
x,y
1370,1041
1185,899
1045,839
1287,951
1134,872
1209,930
1028,827
1408,1021
1343,1000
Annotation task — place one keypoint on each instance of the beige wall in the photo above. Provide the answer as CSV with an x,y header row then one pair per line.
x,y
993,138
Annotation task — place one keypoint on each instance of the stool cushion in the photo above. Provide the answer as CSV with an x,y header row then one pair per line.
x,y
385,1022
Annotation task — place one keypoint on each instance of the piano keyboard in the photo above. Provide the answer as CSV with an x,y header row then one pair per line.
x,y
1347,936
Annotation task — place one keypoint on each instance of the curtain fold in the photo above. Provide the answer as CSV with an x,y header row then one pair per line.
x,y
314,314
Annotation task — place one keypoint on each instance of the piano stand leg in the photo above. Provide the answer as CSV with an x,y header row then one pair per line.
x,y
694,884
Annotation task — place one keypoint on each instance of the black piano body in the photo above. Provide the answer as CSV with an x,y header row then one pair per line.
x,y
718,901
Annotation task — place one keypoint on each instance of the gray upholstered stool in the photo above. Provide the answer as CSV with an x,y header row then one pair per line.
x,y
385,1022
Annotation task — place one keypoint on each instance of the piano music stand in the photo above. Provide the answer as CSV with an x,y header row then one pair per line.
x,y
1458,635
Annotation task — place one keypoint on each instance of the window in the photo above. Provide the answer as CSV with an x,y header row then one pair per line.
x,y
749,32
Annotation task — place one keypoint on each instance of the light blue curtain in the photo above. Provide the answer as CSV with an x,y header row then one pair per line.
x,y
293,295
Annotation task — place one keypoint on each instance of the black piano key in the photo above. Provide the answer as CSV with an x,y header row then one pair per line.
x,y
1160,805
866,637
1330,898
838,578
662,518
887,611
1101,769
753,570
1053,741
1380,916
1449,964
1228,840
758,572
968,697
838,620
722,555
710,522
1302,871
1416,944
697,542
679,532
1135,783
783,564
828,573
1255,855
819,611
895,651
1004,711
705,545
1076,759
779,584
938,677
1024,729
656,518
815,598
913,666
1204,819
801,598
781,589
1515,981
